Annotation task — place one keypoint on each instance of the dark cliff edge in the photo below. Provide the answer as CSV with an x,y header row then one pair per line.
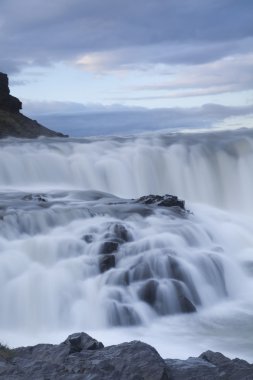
x,y
15,124
82,357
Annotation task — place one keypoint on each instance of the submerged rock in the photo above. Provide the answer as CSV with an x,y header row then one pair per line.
x,y
117,235
35,197
108,247
106,262
147,292
12,122
81,357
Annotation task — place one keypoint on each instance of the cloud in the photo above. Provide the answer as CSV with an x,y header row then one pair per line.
x,y
70,108
119,33
167,53
116,120
227,75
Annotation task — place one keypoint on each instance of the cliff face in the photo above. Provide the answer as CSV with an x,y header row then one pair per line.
x,y
12,122
8,102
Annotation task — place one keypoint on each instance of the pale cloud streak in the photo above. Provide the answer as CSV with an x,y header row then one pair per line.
x,y
227,75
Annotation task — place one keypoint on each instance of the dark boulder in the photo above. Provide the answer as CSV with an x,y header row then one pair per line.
x,y
106,262
81,357
88,238
210,366
186,305
180,276
108,247
121,232
81,341
147,292
229,369
164,201
118,233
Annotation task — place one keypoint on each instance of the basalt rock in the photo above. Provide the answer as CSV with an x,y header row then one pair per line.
x,y
12,122
81,357
106,262
108,247
164,201
8,102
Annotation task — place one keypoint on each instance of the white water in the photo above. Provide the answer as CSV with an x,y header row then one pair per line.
x,y
212,168
166,264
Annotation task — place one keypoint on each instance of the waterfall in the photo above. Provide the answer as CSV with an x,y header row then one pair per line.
x,y
77,252
208,168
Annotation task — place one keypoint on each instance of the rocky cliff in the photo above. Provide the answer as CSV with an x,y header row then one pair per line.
x,y
12,122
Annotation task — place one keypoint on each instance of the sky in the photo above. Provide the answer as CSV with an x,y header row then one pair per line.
x,y
173,63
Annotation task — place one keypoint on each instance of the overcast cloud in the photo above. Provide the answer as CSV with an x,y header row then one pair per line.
x,y
182,31
168,50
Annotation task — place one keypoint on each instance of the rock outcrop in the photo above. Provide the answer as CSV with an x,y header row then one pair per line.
x,y
8,102
12,122
81,357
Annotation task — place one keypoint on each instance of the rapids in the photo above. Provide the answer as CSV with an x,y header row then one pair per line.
x,y
78,253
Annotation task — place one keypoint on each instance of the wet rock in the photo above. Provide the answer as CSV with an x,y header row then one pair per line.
x,y
119,278
108,247
35,197
118,233
122,315
164,201
148,291
106,262
88,238
186,305
141,271
178,273
121,232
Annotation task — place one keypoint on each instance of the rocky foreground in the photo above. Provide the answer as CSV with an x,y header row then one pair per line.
x,y
12,122
82,357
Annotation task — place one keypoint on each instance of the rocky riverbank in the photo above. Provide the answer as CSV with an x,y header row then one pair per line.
x,y
82,357
12,122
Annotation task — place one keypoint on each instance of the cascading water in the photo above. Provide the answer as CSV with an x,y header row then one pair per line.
x,y
75,257
215,169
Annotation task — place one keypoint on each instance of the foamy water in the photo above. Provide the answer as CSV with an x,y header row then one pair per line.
x,y
82,255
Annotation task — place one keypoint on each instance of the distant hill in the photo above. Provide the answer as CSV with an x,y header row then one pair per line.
x,y
12,122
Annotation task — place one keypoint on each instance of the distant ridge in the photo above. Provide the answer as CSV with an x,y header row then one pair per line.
x,y
12,122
